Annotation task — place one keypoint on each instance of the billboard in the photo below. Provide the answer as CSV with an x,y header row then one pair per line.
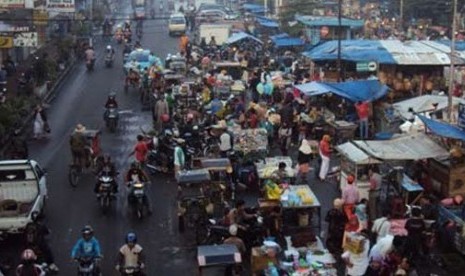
x,y
10,4
60,5
25,39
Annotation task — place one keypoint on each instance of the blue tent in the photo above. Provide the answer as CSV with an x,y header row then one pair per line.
x,y
284,40
443,129
267,22
236,37
254,8
365,90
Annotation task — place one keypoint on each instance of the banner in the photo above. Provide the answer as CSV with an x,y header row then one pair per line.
x,y
60,5
25,39
6,42
12,4
40,17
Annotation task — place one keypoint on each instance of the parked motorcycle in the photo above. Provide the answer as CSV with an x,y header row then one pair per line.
x,y
105,189
138,199
111,118
216,233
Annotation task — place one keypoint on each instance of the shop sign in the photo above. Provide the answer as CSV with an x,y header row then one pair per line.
x,y
13,4
6,42
40,17
364,66
61,5
25,39
461,116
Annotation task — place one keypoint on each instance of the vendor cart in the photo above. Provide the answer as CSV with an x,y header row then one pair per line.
x,y
342,131
299,203
355,162
250,141
222,187
217,256
192,199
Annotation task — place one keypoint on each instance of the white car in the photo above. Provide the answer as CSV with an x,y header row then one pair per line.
x,y
217,14
177,24
23,190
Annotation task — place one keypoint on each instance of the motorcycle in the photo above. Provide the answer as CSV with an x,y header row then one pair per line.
x,y
160,158
109,60
111,118
90,64
87,267
216,234
137,198
130,270
105,189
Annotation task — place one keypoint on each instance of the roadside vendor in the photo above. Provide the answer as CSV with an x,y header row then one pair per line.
x,y
280,174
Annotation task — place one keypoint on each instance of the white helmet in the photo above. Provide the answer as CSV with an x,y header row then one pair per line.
x,y
109,47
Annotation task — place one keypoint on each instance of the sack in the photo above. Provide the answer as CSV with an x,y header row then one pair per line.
x,y
47,127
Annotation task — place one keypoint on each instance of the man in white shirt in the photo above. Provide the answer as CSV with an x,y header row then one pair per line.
x,y
357,264
382,226
225,143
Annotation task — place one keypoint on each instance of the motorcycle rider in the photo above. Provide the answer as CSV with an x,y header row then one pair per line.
x,y
28,266
137,45
235,240
110,52
111,100
136,174
188,126
104,163
130,254
78,143
179,156
90,54
87,247
35,235
133,77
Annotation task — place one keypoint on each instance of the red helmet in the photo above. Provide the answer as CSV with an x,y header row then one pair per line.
x,y
28,255
165,118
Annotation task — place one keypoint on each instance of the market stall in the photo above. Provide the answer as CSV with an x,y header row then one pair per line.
x,y
355,162
266,167
249,141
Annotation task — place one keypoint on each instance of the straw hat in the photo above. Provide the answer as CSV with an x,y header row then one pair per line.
x,y
305,147
80,128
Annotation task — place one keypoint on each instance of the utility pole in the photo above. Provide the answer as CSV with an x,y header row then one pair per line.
x,y
91,15
339,34
401,14
452,62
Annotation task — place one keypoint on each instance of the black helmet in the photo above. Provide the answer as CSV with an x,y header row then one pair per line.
x,y
87,230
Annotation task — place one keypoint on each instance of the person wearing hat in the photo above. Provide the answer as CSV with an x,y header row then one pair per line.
x,y
179,156
336,220
78,144
303,159
235,240
325,154
357,263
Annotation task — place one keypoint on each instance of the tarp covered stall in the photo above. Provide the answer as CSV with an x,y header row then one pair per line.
x,y
236,37
384,52
443,129
356,162
266,22
410,147
365,90
422,104
254,8
284,40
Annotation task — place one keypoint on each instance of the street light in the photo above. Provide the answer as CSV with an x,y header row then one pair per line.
x,y
452,62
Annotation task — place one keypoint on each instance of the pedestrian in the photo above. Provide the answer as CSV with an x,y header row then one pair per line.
x,y
303,159
284,134
363,112
357,263
161,107
40,122
179,156
374,192
140,150
325,154
336,220
381,226
361,213
415,227
226,141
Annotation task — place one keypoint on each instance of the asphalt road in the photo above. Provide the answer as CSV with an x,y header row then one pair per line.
x,y
81,100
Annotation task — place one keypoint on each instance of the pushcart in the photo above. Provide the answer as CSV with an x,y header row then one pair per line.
x,y
222,187
92,152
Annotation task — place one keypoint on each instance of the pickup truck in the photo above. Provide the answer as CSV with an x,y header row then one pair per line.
x,y
23,190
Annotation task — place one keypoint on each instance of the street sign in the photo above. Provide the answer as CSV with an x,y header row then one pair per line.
x,y
461,116
366,66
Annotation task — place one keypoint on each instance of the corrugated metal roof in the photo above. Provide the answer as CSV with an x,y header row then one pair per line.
x,y
423,104
355,154
410,147
415,53
328,21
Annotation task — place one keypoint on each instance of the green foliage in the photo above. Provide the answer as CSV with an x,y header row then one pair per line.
x,y
13,111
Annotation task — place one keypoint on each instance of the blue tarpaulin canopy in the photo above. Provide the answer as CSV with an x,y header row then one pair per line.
x,y
365,90
254,8
236,37
284,40
443,129
267,22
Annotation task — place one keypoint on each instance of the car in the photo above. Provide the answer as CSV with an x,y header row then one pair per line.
x,y
207,6
177,24
216,15
141,59
23,191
